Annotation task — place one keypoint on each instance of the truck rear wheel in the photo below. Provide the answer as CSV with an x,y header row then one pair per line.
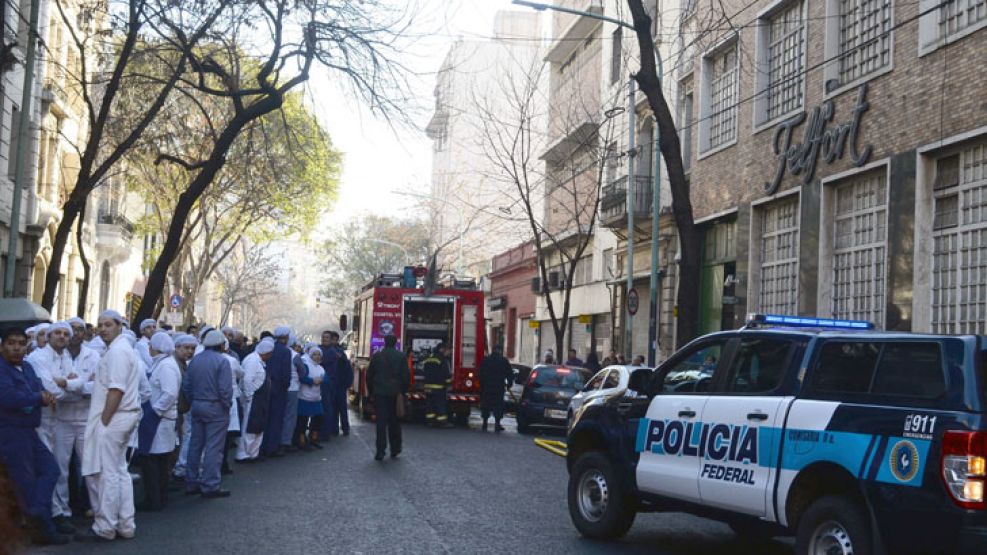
x,y
834,525
598,505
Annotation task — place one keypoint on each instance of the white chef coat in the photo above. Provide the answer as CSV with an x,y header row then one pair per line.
x,y
166,382
118,369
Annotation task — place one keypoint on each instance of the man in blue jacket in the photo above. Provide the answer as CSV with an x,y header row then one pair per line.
x,y
29,463
279,370
339,378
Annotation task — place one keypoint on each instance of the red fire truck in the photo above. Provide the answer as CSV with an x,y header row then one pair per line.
x,y
397,304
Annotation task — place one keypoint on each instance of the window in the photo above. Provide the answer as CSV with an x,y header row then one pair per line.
x,y
694,371
844,367
615,55
596,382
951,21
613,380
864,38
859,249
779,253
720,73
959,242
759,365
782,52
910,369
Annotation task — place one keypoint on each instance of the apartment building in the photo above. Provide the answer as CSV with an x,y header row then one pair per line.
x,y
837,154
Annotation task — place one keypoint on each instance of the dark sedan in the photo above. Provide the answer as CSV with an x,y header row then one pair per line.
x,y
546,395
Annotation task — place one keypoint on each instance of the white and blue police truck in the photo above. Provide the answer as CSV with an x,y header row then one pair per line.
x,y
852,440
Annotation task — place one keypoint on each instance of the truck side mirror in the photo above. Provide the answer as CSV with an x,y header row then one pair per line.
x,y
342,322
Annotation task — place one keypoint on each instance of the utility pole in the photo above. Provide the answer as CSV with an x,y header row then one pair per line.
x,y
631,124
20,167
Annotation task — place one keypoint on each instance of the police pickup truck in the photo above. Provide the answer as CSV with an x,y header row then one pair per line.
x,y
854,440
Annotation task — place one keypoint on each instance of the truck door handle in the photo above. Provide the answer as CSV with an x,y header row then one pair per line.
x,y
687,414
760,416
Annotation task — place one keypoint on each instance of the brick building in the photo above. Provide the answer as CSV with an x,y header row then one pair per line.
x,y
837,153
511,303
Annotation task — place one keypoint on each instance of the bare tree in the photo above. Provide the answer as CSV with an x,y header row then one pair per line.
x,y
356,39
557,200
247,277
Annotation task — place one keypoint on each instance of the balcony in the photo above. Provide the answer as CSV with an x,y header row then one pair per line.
x,y
114,233
613,205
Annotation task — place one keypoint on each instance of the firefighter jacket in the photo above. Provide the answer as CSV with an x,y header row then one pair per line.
x,y
438,373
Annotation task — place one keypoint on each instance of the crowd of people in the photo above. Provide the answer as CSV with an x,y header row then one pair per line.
x,y
80,406
592,361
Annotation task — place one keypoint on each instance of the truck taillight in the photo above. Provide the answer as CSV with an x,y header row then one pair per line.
x,y
964,467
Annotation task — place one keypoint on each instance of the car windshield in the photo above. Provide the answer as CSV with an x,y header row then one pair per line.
x,y
563,378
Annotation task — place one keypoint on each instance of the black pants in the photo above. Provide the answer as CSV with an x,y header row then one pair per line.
x,y
436,406
388,425
154,473
307,424
492,405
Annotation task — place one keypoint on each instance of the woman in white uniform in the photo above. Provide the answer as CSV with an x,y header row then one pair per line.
x,y
166,380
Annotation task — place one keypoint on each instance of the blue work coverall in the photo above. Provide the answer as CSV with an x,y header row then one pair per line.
x,y
339,378
279,370
208,385
29,463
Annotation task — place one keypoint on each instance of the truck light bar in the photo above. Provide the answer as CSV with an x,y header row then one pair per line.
x,y
755,320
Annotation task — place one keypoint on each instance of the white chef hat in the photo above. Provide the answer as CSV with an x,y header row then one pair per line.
x,y
265,346
58,326
148,323
75,321
162,343
113,315
313,349
282,331
214,338
185,339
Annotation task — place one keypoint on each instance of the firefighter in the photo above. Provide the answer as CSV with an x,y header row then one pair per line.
x,y
438,379
495,374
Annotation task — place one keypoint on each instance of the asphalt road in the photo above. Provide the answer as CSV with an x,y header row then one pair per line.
x,y
451,491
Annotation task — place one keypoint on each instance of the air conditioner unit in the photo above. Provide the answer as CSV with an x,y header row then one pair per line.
x,y
536,285
553,280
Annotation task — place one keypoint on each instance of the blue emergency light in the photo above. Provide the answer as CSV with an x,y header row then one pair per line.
x,y
804,322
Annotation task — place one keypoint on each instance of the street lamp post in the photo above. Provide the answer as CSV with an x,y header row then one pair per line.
x,y
655,206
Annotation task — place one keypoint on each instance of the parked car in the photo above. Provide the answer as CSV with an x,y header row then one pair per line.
x,y
634,379
546,395
513,395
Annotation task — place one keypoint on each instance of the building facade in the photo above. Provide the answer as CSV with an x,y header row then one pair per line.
x,y
57,133
838,161
511,303
473,207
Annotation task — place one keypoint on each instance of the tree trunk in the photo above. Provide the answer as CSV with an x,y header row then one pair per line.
x,y
689,270
187,200
70,212
86,270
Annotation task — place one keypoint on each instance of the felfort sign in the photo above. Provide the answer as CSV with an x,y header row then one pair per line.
x,y
819,140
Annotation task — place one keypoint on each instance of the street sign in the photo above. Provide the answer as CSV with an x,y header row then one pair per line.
x,y
632,301
176,301
533,324
174,318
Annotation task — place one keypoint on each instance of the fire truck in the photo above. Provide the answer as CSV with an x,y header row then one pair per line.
x,y
398,305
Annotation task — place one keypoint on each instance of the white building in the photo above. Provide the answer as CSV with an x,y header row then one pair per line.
x,y
57,133
468,192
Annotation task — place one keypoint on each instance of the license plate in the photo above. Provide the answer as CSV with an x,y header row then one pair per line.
x,y
556,414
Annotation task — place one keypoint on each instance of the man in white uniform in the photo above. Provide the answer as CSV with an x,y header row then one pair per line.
x,y
255,388
148,328
113,416
49,363
79,366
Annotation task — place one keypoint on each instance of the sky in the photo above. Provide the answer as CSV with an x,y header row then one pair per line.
x,y
378,158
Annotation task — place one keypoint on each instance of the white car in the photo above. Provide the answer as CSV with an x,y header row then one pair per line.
x,y
609,381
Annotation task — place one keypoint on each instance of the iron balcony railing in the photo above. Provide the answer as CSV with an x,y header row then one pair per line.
x,y
613,202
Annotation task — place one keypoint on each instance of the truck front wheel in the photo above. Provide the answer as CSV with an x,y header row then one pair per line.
x,y
834,524
598,506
